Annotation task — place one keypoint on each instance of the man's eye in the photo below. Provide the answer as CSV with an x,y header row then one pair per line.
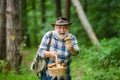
x,y
59,27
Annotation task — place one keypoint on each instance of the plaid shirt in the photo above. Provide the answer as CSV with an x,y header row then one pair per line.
x,y
59,47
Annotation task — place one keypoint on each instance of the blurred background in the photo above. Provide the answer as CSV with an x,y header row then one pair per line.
x,y
95,23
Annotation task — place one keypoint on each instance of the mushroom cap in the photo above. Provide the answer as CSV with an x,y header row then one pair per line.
x,y
67,38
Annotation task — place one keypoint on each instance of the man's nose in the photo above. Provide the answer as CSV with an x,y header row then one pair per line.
x,y
62,29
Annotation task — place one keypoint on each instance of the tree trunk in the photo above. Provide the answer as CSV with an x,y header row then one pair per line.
x,y
67,9
85,22
58,8
2,29
13,33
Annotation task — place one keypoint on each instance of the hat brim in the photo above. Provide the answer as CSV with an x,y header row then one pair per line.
x,y
61,24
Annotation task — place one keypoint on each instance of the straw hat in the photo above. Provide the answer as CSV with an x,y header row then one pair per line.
x,y
61,21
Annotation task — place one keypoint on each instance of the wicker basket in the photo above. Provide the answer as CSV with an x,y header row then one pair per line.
x,y
57,70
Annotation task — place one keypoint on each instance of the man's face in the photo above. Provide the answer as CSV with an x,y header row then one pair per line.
x,y
61,31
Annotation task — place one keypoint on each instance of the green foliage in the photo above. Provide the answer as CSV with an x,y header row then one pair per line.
x,y
25,75
2,63
92,63
103,63
104,17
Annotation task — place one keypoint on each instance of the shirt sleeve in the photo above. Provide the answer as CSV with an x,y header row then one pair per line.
x,y
43,44
75,44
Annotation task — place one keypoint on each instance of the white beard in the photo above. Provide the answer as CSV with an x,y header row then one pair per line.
x,y
61,37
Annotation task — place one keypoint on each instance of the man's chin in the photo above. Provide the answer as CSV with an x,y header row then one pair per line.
x,y
62,37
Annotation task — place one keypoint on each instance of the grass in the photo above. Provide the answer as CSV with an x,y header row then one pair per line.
x,y
26,73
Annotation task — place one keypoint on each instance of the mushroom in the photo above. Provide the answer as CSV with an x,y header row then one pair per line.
x,y
68,40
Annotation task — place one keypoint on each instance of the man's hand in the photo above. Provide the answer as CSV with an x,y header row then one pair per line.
x,y
50,54
71,49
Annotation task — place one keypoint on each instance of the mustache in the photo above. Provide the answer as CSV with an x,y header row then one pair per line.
x,y
61,35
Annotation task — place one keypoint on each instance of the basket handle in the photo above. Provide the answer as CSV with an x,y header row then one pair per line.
x,y
56,61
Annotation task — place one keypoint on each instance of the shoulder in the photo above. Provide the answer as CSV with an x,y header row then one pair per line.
x,y
47,34
72,36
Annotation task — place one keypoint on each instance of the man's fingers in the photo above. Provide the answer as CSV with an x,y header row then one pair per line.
x,y
69,47
54,55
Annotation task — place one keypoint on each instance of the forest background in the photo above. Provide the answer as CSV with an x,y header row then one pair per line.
x,y
93,62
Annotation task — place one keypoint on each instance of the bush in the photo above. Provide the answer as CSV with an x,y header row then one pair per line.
x,y
102,63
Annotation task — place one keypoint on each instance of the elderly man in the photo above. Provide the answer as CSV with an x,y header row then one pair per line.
x,y
58,48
